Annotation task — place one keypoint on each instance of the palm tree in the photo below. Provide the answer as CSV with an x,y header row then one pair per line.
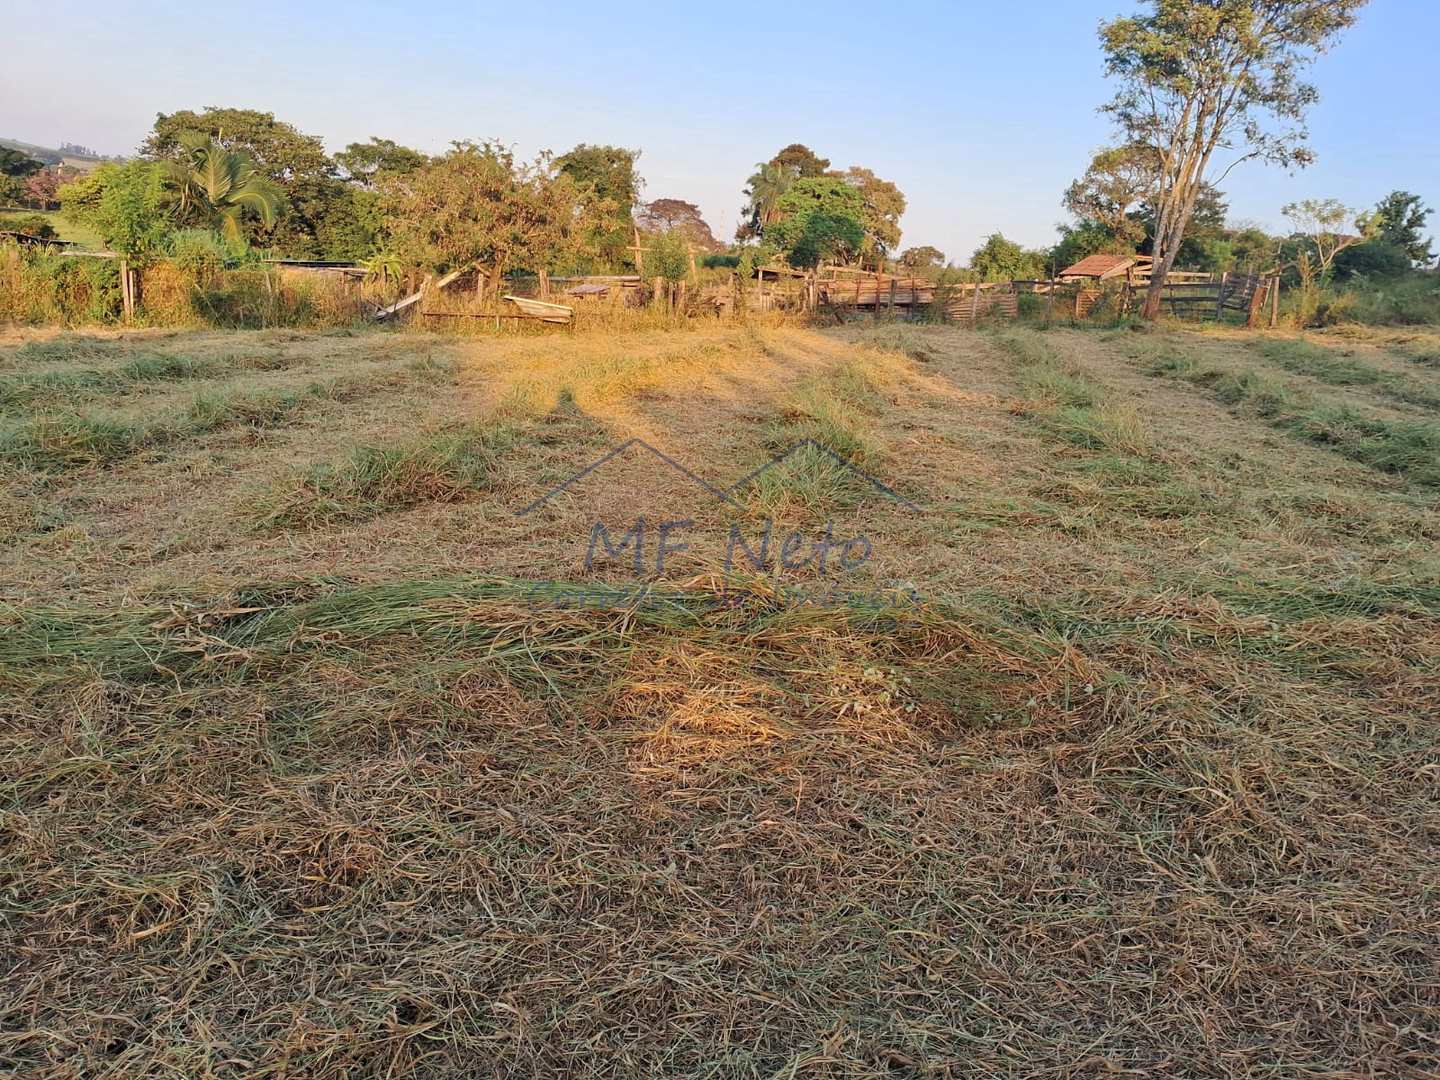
x,y
216,186
764,189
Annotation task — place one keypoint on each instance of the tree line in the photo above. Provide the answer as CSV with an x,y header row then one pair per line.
x,y
227,184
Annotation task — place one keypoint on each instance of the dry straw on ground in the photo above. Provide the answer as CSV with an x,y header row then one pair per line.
x,y
1120,760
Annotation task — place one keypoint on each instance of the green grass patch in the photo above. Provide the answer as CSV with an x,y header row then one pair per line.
x,y
1337,368
376,480
27,389
1069,404
832,411
57,442
1408,448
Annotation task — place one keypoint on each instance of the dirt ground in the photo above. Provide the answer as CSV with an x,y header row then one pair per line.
x,y
1081,720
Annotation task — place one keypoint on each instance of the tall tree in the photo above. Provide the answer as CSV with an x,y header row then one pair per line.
x,y
923,257
817,219
1205,227
802,159
677,216
763,192
363,163
296,162
883,204
610,186
1197,76
1117,180
1398,220
477,205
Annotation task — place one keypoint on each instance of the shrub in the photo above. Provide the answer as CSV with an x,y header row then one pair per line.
x,y
30,224
1372,259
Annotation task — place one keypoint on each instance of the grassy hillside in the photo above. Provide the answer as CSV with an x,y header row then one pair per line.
x,y
325,754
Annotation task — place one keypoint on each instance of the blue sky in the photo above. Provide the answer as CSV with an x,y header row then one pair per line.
x,y
981,113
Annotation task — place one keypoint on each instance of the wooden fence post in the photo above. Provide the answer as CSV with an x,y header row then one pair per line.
x,y
1275,301
1257,304
1220,297
127,303
1050,301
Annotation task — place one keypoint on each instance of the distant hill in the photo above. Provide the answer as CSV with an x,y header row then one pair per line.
x,y
65,155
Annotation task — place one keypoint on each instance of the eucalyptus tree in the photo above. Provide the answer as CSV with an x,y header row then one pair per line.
x,y
1201,77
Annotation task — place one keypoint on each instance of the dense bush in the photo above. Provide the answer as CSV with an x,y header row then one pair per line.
x,y
1411,299
1374,258
29,224
38,287
191,289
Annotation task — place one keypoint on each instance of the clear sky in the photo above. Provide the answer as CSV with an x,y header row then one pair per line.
x,y
981,112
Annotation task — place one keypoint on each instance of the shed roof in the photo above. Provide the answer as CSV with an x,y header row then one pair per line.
x,y
1099,266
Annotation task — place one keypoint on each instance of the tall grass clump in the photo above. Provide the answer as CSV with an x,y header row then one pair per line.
x,y
57,442
374,480
39,288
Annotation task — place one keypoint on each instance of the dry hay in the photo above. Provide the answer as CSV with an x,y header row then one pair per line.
x,y
1143,784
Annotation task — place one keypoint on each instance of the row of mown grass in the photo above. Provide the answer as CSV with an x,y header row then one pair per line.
x,y
1339,368
56,439
1405,447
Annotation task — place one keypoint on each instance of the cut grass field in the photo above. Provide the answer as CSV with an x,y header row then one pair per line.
x,y
333,746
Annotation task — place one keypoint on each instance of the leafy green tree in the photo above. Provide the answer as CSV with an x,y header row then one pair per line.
x,y
478,206
883,203
1077,240
610,186
277,148
998,259
923,257
295,162
1200,76
1375,258
215,187
1397,220
1117,180
128,206
668,256
125,204
363,163
15,168
818,218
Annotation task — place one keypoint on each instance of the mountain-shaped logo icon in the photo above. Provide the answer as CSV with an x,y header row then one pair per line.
x,y
726,495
